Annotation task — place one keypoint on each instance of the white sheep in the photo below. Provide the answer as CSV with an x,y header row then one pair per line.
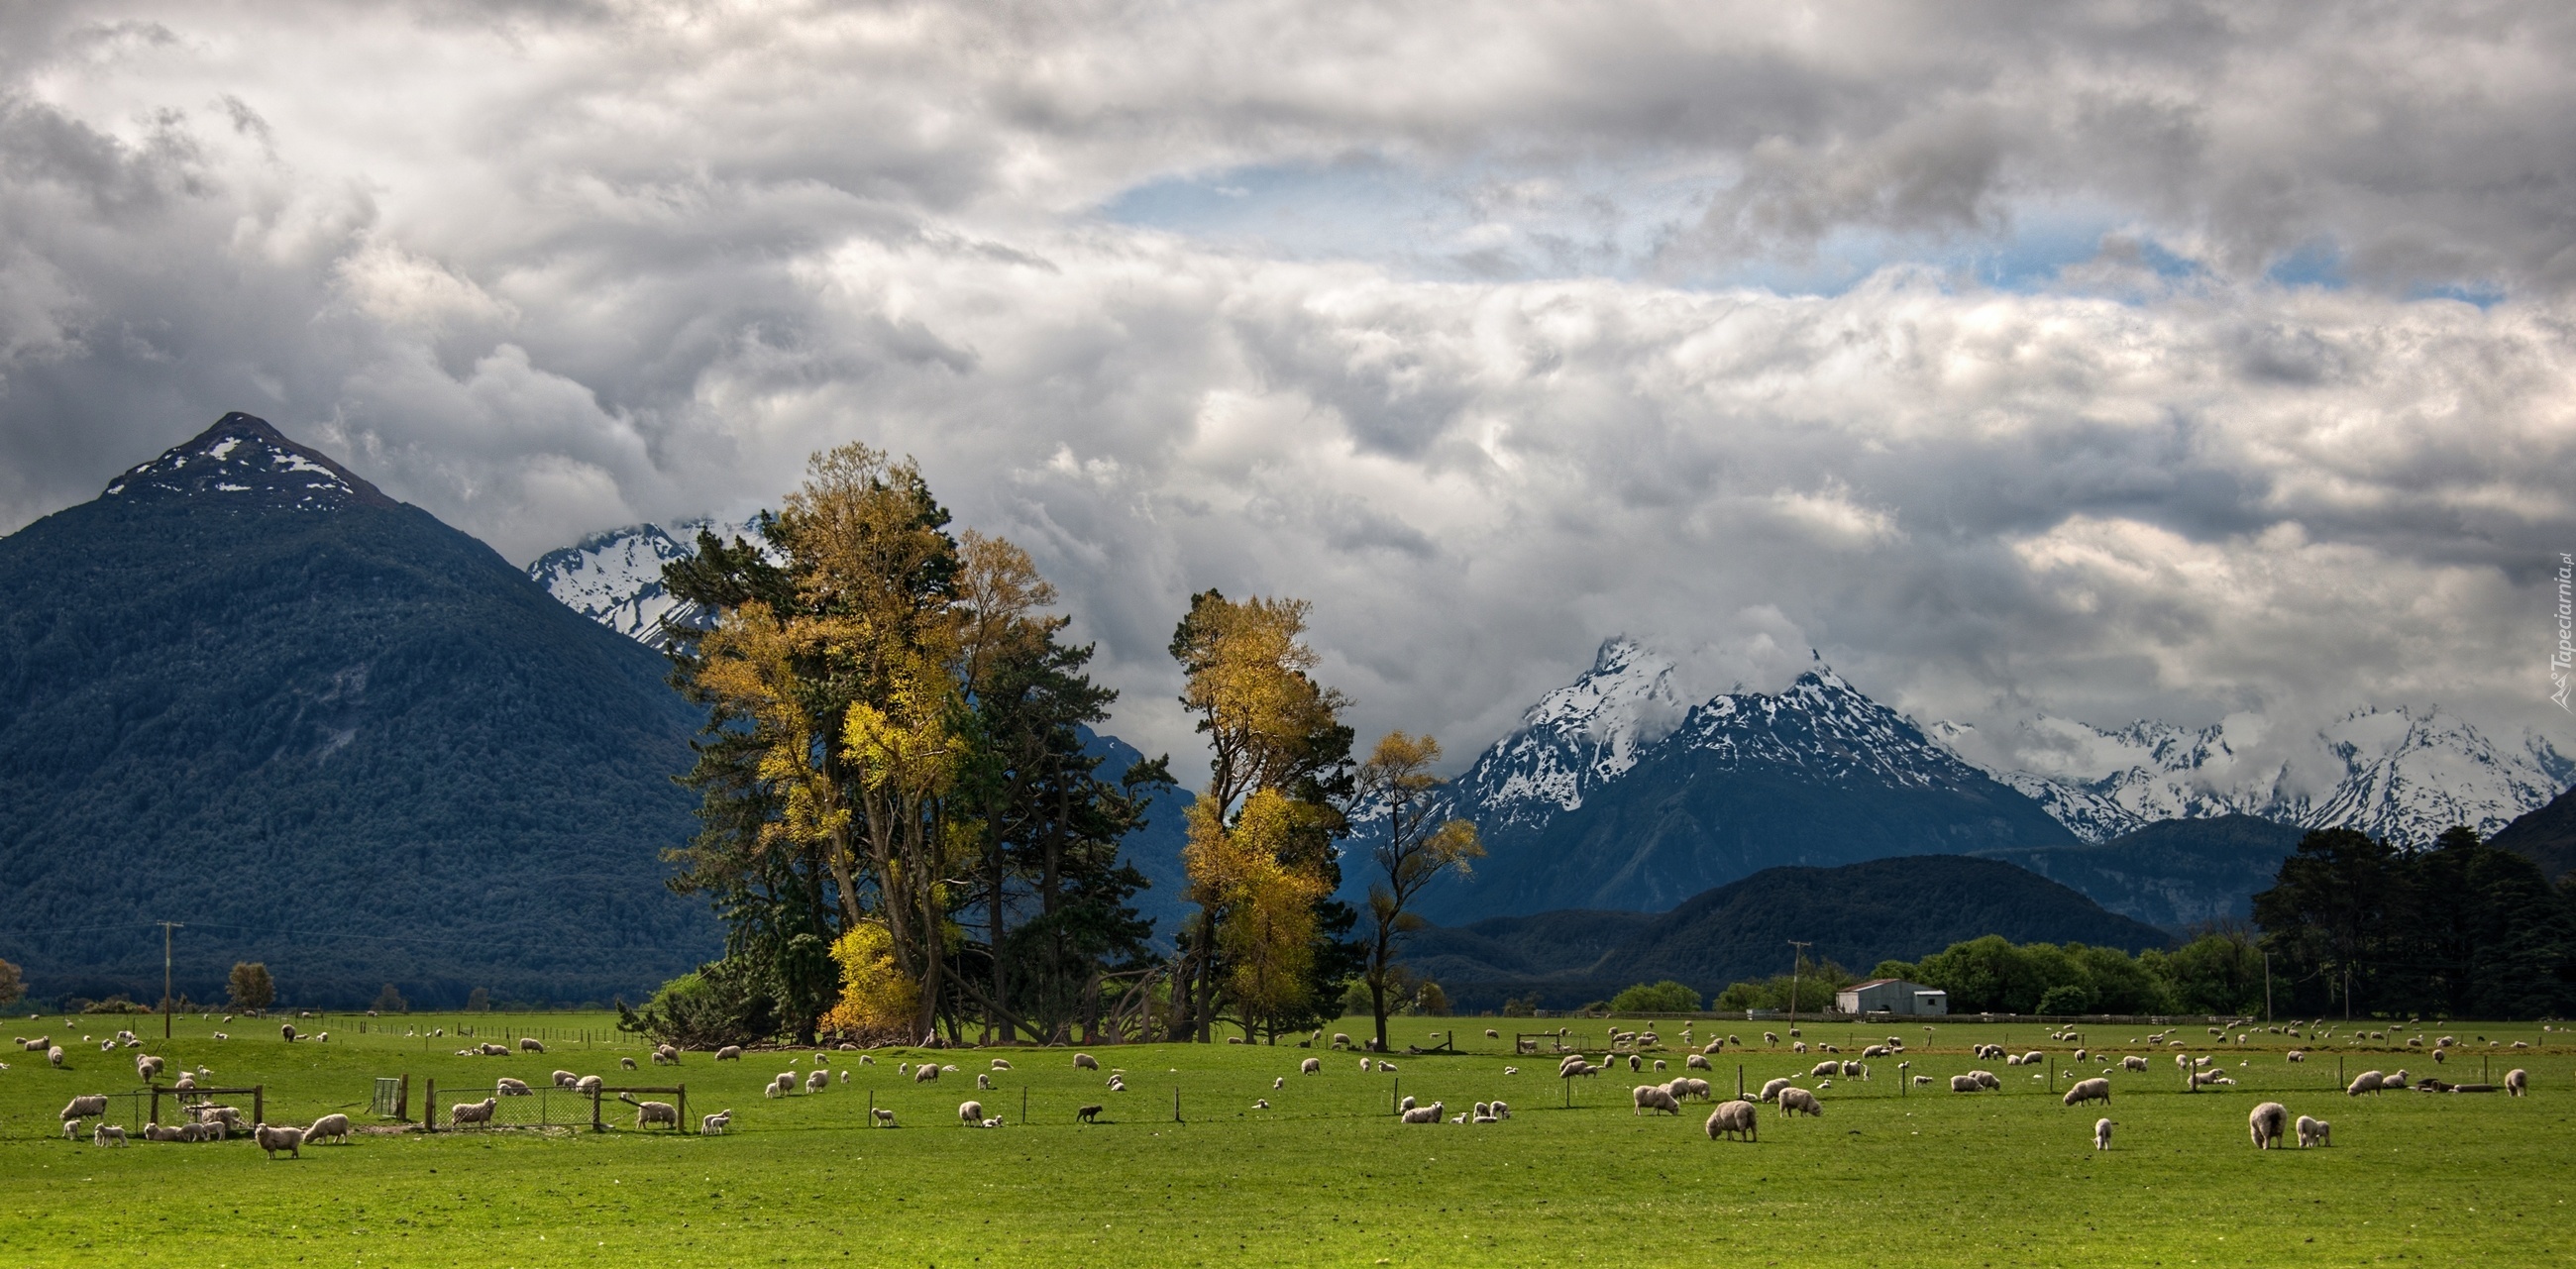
x,y
146,1066
463,1113
221,1036
885,1117
589,1085
1386,1068
817,1081
507,1087
527,1044
1430,1114
2314,1132
970,1114
1492,1034
778,1087
982,1081
492,1050
54,1055
1695,1062
729,1053
1405,1105
2133,1063
2366,1082
2095,1089
1511,1070
2267,1124
648,1114
1001,1064
2102,1134
89,1106
714,1125
272,1140
564,1079
107,1135
845,1077
1771,1090
1735,1119
286,1031
327,1127
926,1073
1261,1103
1794,1101
1278,1082
1341,1040
1825,1068
2297,1055
1085,1062
2517,1081
1964,1084
1651,1097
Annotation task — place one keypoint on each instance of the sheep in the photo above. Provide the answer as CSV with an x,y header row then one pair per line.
x,y
714,1125
825,1059
1921,1080
1405,1105
1659,1064
1798,1047
1794,1101
1117,1084
1635,1063
2012,1059
327,1127
2396,1080
2517,1081
1386,1068
1364,1066
1085,1062
1492,1034
1964,1084
2102,1134
2133,1063
1771,1090
1511,1070
729,1053
2095,1089
885,1117
589,1085
1851,1069
845,1077
1823,1069
527,1044
1088,1115
272,1140
1654,1097
508,1087
926,1073
89,1106
2314,1132
2297,1055
221,1036
867,1059
2267,1123
563,1079
287,1030
817,1081
157,1132
1001,1064
1341,1040
648,1114
463,1113
107,1135
778,1087
1430,1114
1875,1051
147,1066
1734,1118
970,1113
54,1056
666,1055
1311,1066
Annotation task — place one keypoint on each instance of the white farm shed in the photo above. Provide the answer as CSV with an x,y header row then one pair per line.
x,y
1892,995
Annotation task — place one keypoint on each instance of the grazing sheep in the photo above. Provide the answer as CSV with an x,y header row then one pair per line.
x,y
2133,1063
626,1064
1823,1069
1735,1119
1964,1084
107,1135
2095,1089
2267,1123
666,1054
1635,1063
817,1081
463,1113
2517,1081
1311,1066
2079,1055
1798,1047
1405,1105
1659,1064
1341,1040
778,1087
1654,1097
1430,1114
1386,1068
147,1066
508,1087
983,1081
2366,1082
1771,1090
1695,1062
729,1053
1001,1064
589,1085
2313,1132
2102,1134
845,1077
970,1113
714,1125
563,1079
926,1073
1364,1066
648,1114
1088,1115
885,1118
1986,1079
287,1030
1921,1080
1492,1034
1794,1101
54,1056
526,1044
1085,1062
327,1127
221,1036
272,1140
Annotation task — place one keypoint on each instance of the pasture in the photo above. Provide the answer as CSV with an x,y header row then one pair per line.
x,y
1325,1176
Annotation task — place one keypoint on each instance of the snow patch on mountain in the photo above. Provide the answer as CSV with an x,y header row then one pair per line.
x,y
1574,740
615,577
244,455
1825,725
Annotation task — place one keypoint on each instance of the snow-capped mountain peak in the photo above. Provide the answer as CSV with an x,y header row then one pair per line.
x,y
615,577
1576,738
242,457
1821,723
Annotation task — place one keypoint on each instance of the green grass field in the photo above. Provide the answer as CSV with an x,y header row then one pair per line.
x,y
1325,1176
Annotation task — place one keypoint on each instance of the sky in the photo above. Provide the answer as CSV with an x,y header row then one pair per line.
x,y
2102,360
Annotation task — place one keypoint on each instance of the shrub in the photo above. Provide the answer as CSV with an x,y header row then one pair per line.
x,y
390,1001
2065,998
251,987
1667,996
13,985
1524,1007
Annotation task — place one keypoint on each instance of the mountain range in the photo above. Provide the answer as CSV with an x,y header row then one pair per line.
x,y
246,691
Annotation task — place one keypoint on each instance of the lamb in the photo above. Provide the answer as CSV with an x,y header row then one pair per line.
x,y
2133,1063
714,1125
1386,1068
1794,1101
107,1135
221,1036
86,1107
2267,1124
1085,1062
327,1127
272,1140
2095,1089
927,1073
1088,1115
1735,1119
2517,1081
816,1082
1511,1070
1654,1097
885,1118
2314,1132
778,1087
1851,1069
1311,1066
970,1113
508,1087
531,1045
1430,1114
729,1053
463,1113
2102,1134
1771,1090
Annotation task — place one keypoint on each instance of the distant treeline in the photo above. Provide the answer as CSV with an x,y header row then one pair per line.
x,y
2351,925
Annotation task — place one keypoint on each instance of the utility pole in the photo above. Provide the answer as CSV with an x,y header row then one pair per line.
x,y
1797,961
2267,988
166,1006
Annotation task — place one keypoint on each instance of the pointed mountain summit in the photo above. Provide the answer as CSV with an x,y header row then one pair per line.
x,y
1575,739
246,690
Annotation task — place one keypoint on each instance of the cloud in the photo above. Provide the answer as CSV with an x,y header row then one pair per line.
x,y
1533,325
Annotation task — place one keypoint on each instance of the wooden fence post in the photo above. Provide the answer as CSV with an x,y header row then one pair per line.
x,y
429,1104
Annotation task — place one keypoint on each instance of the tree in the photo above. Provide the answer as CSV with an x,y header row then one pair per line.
x,y
13,985
2331,911
478,1000
390,1001
251,987
1272,730
1417,848
1667,996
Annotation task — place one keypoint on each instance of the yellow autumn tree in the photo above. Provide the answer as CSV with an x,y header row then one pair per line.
x,y
1250,872
878,999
